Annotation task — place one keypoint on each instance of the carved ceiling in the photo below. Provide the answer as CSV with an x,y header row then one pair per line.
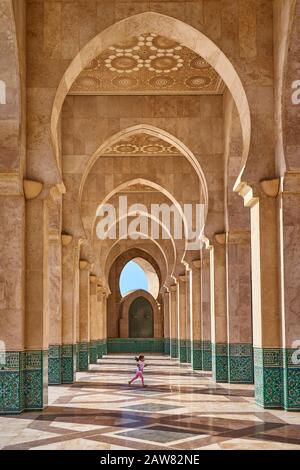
x,y
148,64
142,144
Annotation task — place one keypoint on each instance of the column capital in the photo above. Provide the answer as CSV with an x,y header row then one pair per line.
x,y
182,278
173,288
220,238
66,239
271,187
197,264
84,265
32,189
93,279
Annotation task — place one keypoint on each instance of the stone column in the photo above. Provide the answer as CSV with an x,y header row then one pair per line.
x,y
219,310
70,298
239,316
84,315
182,351
167,334
206,310
289,216
196,346
104,309
265,294
55,290
174,321
100,342
12,307
94,319
37,303
189,313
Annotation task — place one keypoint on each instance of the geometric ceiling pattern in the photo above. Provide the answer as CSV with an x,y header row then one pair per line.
x,y
148,64
141,145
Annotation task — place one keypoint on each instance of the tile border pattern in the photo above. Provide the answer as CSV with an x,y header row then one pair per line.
x,y
135,345
196,354
220,362
240,363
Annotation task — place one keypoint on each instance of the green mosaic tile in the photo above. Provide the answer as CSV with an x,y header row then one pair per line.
x,y
188,351
35,379
167,346
93,352
291,379
220,362
83,360
182,351
11,383
174,347
240,363
268,377
68,363
196,355
206,356
54,365
99,349
135,345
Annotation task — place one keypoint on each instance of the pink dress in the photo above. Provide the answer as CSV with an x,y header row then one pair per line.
x,y
139,372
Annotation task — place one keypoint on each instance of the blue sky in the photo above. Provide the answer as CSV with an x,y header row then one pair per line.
x,y
132,278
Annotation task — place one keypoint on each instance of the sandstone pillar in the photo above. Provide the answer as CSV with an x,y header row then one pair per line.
x,y
182,322
289,221
174,321
100,342
84,315
37,304
70,299
206,310
94,319
55,290
196,346
265,295
12,307
239,316
167,334
219,310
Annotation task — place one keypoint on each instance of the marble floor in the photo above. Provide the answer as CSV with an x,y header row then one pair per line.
x,y
177,410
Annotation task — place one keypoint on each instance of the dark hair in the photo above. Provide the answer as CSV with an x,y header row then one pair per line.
x,y
139,358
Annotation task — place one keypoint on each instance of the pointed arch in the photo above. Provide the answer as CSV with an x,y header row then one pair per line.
x,y
166,26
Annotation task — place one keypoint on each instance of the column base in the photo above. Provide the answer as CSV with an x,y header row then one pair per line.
x,y
182,351
68,363
240,363
188,351
83,357
93,352
291,379
167,347
99,349
54,364
268,377
206,356
23,381
174,348
196,355
220,362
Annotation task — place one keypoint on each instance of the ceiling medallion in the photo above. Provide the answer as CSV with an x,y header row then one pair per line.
x,y
148,64
142,144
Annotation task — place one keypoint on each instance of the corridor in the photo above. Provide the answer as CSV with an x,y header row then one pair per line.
x,y
179,409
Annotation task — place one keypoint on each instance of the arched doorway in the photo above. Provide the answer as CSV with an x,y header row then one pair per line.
x,y
140,319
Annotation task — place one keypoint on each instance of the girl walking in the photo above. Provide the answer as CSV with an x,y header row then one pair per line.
x,y
140,364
